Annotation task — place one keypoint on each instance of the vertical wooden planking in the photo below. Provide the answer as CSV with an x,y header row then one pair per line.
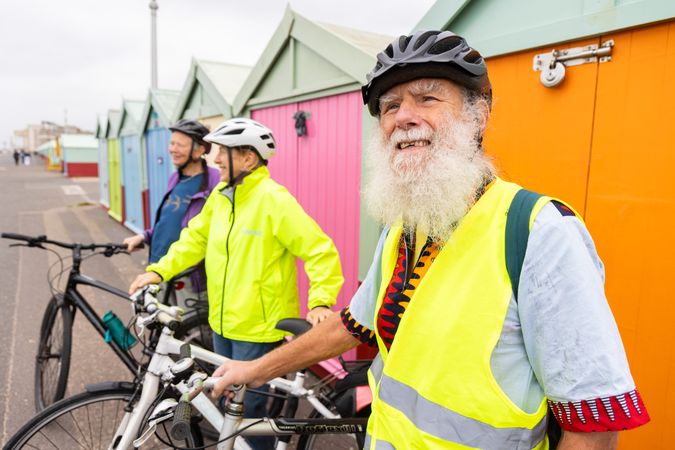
x,y
631,211
329,165
322,170
284,165
114,182
103,172
159,167
130,149
541,137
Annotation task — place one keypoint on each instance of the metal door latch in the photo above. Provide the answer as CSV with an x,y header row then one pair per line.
x,y
552,65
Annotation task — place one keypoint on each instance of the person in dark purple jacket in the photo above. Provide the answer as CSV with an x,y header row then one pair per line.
x,y
186,193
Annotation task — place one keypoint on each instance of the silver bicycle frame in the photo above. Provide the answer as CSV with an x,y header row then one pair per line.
x,y
160,364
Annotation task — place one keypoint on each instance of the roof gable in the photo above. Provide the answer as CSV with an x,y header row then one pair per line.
x,y
158,109
497,27
101,126
304,56
130,116
209,89
113,123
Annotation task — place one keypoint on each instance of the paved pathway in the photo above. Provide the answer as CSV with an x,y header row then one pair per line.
x,y
34,201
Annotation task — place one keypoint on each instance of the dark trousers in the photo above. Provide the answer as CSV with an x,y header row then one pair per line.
x,y
255,405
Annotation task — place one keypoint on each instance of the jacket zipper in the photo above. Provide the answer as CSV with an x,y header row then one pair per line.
x,y
227,263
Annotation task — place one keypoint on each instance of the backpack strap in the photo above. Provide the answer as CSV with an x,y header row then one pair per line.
x,y
517,234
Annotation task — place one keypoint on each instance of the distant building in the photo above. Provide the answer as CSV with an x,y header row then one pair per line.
x,y
33,136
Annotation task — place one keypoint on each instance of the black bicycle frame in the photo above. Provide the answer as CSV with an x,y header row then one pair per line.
x,y
76,278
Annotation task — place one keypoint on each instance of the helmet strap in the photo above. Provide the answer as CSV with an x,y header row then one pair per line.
x,y
233,181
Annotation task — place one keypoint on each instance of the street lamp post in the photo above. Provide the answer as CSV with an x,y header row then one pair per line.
x,y
153,43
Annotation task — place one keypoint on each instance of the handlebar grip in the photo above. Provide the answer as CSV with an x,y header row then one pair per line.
x,y
185,351
180,429
23,237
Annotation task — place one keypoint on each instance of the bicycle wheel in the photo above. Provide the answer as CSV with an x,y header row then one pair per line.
x,y
85,421
332,441
52,362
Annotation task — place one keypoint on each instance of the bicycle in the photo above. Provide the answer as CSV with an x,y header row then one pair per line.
x,y
52,363
132,415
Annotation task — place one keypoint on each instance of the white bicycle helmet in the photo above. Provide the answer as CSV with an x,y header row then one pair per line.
x,y
242,132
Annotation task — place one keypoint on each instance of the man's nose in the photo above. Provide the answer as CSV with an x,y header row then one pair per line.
x,y
407,116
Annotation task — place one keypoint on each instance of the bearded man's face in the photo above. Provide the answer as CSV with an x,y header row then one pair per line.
x,y
425,160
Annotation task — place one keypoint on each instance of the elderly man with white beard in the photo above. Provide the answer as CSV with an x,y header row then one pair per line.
x,y
485,300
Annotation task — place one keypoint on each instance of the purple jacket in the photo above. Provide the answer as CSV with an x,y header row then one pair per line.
x,y
197,202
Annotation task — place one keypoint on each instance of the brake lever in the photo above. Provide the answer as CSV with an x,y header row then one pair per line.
x,y
30,244
163,412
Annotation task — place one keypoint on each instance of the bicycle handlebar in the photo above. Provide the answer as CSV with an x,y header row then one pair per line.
x,y
36,241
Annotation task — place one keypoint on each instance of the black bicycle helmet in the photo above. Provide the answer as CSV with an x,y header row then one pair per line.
x,y
194,129
426,54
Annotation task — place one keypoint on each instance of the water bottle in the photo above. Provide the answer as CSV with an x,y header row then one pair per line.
x,y
116,330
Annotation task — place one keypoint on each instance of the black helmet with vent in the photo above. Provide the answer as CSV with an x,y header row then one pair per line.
x,y
194,129
426,54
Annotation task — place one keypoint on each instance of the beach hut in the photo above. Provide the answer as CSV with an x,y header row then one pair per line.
x,y
79,153
101,129
50,151
156,118
583,111
306,88
114,169
132,165
208,93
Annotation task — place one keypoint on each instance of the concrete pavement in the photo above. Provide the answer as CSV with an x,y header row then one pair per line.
x,y
34,201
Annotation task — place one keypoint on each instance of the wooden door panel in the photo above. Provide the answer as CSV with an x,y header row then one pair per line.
x,y
540,137
631,212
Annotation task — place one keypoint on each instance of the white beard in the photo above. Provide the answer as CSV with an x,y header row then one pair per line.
x,y
430,190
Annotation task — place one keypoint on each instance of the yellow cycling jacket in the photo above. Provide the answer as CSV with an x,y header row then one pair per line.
x,y
249,238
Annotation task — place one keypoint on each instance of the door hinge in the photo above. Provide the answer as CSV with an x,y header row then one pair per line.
x,y
552,65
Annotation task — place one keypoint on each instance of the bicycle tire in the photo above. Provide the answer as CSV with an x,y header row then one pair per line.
x,y
86,420
332,441
52,362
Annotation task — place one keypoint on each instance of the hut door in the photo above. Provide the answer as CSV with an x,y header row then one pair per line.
x,y
604,141
159,167
631,211
539,136
114,181
132,173
322,170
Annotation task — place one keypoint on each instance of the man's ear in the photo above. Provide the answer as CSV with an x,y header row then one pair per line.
x,y
484,109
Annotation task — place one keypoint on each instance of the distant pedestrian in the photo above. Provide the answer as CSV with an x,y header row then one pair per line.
x,y
26,158
17,155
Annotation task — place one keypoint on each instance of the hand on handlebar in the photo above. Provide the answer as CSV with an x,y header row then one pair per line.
x,y
318,314
134,242
234,373
143,280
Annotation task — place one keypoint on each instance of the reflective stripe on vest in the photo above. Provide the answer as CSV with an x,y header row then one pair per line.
x,y
379,445
437,389
450,426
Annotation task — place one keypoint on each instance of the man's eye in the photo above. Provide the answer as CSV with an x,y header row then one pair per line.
x,y
388,107
429,98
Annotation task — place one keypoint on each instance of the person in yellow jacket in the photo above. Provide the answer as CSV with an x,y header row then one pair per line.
x,y
470,356
250,232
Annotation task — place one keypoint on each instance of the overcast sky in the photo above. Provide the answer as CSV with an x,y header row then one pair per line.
x,y
79,58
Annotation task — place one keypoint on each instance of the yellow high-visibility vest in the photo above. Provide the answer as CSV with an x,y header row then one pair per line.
x,y
434,388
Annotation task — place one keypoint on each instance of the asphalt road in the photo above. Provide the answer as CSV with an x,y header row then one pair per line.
x,y
34,201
